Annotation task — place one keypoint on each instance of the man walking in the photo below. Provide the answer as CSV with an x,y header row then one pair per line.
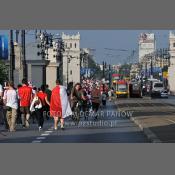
x,y
59,105
96,95
11,101
48,92
25,96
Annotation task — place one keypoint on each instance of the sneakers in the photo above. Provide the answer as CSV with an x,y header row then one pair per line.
x,y
40,128
62,127
12,130
56,128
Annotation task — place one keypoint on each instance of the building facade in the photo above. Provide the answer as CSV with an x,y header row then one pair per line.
x,y
35,65
171,69
71,58
147,44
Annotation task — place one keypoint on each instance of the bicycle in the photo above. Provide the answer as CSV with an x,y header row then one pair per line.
x,y
76,114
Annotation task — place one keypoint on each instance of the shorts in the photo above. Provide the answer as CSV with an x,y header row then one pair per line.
x,y
25,110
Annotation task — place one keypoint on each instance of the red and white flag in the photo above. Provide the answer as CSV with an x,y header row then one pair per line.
x,y
59,105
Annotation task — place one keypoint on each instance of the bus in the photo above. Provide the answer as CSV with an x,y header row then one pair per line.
x,y
122,88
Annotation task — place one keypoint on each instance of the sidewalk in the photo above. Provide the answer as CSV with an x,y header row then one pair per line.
x,y
157,122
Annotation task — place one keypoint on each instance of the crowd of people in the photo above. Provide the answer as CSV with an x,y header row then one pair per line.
x,y
20,105
17,105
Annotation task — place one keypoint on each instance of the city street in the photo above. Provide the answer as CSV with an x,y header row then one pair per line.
x,y
152,120
155,117
107,129
45,67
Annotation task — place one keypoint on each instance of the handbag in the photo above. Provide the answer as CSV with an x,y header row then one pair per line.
x,y
8,108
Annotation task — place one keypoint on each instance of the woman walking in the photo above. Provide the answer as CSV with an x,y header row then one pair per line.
x,y
11,101
36,109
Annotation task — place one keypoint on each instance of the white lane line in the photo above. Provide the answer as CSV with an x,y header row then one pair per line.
x,y
48,132
40,138
45,134
171,120
36,141
51,129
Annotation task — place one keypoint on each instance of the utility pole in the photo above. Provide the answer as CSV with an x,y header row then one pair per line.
x,y
103,69
11,56
23,54
146,69
109,76
151,67
17,34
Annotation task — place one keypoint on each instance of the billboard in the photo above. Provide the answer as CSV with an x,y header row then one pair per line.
x,y
3,47
146,44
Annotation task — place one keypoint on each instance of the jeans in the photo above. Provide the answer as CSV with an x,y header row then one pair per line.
x,y
40,117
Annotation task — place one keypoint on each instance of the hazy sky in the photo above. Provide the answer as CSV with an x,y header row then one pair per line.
x,y
113,39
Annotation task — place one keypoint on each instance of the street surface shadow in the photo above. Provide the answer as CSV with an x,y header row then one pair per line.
x,y
165,133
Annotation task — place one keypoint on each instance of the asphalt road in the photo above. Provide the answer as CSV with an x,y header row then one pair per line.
x,y
112,126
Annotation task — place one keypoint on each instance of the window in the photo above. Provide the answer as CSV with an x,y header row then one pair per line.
x,y
71,72
70,45
173,44
75,45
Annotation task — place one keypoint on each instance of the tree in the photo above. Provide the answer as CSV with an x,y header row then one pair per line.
x,y
3,72
92,65
125,70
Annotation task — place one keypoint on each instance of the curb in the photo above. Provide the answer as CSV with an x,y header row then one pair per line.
x,y
149,134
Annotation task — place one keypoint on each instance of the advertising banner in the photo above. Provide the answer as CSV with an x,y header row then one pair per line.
x,y
3,47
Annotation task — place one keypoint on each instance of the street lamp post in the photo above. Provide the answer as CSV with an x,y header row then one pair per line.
x,y
23,54
109,76
46,42
11,56
151,66
69,58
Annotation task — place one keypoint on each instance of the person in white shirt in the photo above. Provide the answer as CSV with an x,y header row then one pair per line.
x,y
1,90
11,101
1,105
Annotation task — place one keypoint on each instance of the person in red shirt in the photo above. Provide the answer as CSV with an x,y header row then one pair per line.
x,y
44,100
25,97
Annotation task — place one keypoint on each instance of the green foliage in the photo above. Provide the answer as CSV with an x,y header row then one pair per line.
x,y
125,70
92,64
3,72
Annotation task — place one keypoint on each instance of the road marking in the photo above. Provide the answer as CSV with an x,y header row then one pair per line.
x,y
36,141
171,120
48,132
51,129
45,134
40,138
